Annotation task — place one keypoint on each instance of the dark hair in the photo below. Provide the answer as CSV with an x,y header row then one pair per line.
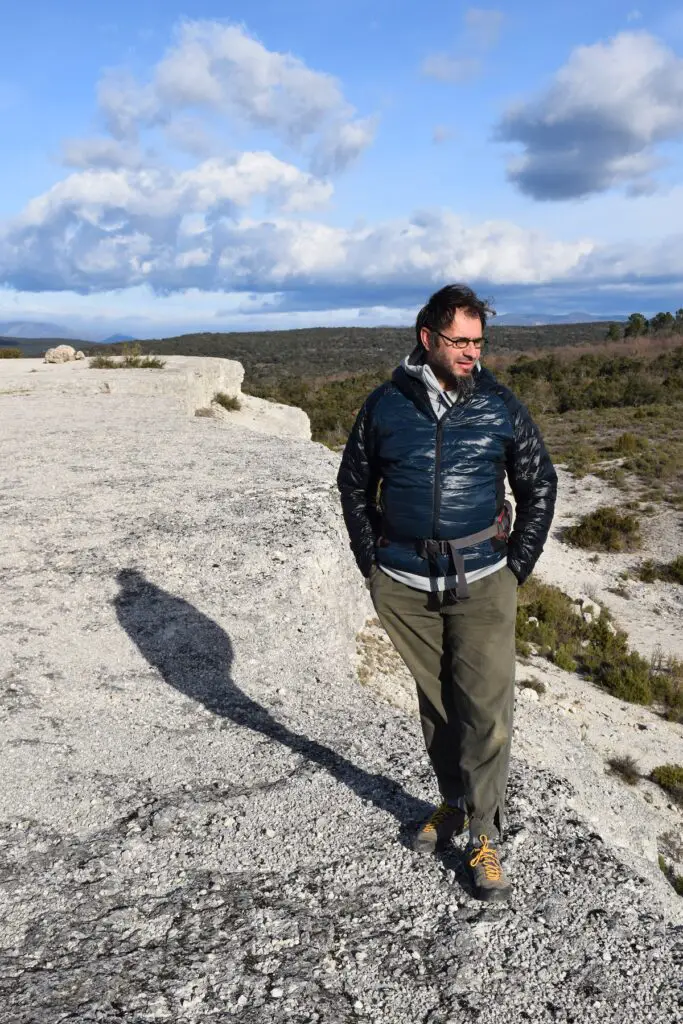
x,y
440,310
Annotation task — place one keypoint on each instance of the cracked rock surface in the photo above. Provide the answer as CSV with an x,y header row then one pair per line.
x,y
204,816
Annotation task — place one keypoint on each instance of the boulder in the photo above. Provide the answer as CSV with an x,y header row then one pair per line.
x,y
61,354
79,355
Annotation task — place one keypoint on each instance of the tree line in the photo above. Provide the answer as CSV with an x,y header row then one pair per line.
x,y
638,325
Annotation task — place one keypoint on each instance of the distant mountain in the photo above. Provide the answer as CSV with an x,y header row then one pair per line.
x,y
541,319
114,339
33,329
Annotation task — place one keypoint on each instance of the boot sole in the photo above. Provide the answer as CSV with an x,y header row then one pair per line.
x,y
491,895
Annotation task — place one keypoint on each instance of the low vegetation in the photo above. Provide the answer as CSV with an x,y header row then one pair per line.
x,y
132,358
605,529
671,572
10,353
229,402
551,625
670,778
626,767
668,871
533,683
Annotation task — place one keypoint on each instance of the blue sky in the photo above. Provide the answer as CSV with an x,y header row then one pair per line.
x,y
241,165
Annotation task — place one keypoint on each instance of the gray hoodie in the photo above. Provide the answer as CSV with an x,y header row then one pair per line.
x,y
415,364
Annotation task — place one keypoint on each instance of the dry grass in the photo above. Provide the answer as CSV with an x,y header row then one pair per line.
x,y
226,401
625,767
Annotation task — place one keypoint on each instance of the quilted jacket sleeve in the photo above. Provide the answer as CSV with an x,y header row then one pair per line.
x,y
533,481
358,481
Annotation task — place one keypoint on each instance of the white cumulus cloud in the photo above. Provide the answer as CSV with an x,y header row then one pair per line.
x,y
219,70
598,124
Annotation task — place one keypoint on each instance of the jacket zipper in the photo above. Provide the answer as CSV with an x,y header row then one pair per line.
x,y
437,476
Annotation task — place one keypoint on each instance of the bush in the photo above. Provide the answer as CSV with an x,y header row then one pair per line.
x,y
629,444
132,360
580,458
668,870
625,766
670,572
229,402
605,529
10,353
562,657
533,684
670,778
549,622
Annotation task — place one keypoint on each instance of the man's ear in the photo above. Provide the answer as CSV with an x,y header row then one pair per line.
x,y
426,338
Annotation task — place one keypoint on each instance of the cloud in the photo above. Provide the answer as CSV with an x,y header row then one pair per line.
x,y
598,123
100,230
218,70
101,153
481,33
342,145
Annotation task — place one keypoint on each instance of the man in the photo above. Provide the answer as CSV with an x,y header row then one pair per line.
x,y
422,484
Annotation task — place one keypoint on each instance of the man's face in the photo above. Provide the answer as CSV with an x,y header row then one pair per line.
x,y
448,361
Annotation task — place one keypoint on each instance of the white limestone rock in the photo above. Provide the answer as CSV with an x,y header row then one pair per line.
x,y
61,354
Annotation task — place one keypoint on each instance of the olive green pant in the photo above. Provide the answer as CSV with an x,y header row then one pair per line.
x,y
462,657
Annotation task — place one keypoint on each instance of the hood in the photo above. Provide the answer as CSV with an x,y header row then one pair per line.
x,y
415,365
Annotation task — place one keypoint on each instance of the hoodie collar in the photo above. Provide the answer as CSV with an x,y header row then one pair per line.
x,y
415,365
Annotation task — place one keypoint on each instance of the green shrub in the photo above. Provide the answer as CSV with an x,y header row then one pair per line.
x,y
671,572
533,684
10,353
670,778
625,766
132,359
229,402
132,355
629,444
550,622
580,458
667,870
647,571
605,529
562,657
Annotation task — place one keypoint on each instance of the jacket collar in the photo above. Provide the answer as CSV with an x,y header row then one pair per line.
x,y
411,380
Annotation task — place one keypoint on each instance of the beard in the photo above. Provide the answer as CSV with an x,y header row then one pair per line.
x,y
459,385
463,386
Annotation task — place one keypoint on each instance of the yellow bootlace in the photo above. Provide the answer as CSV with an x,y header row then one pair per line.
x,y
442,812
487,856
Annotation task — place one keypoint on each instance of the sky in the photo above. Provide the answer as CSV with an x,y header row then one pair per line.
x,y
216,166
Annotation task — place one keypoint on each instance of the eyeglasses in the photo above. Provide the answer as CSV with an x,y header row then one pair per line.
x,y
479,343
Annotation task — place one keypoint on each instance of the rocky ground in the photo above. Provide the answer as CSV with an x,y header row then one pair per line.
x,y
204,814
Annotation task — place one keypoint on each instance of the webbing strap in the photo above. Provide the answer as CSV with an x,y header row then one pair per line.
x,y
431,548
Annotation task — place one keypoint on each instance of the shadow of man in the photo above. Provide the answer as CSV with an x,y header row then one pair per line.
x,y
194,656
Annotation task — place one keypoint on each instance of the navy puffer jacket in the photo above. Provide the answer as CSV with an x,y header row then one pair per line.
x,y
407,475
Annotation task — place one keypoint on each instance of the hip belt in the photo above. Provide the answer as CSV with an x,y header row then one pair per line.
x,y
500,530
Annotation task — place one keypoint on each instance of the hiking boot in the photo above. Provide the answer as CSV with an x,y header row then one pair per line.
x,y
485,871
436,833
